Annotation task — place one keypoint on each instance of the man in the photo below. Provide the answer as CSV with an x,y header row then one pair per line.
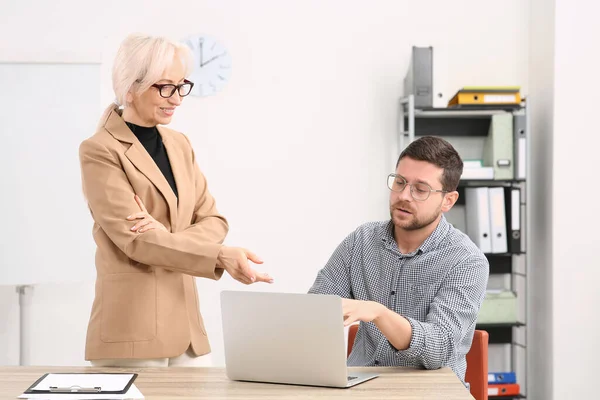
x,y
414,282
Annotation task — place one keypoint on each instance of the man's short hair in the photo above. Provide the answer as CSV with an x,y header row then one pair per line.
x,y
440,153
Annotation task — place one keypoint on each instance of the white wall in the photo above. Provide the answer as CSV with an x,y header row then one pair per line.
x,y
564,273
575,241
297,147
9,326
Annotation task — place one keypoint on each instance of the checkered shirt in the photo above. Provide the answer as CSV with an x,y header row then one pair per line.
x,y
438,288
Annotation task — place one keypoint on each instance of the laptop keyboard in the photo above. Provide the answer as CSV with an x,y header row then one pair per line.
x,y
352,378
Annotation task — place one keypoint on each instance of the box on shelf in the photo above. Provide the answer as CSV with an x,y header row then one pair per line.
x,y
499,306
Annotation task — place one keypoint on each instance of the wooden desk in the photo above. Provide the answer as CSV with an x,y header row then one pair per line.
x,y
212,383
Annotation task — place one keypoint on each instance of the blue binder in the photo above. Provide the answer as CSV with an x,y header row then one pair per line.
x,y
502,377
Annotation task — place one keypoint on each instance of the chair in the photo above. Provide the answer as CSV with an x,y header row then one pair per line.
x,y
351,336
477,362
477,365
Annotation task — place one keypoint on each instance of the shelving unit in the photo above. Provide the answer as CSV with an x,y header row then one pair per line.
x,y
466,129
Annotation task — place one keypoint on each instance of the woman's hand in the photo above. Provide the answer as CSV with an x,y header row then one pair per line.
x,y
147,221
235,261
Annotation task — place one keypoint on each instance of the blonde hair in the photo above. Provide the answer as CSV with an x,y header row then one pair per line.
x,y
141,62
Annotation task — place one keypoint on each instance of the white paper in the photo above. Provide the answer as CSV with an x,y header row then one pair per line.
x,y
133,393
499,98
108,382
492,391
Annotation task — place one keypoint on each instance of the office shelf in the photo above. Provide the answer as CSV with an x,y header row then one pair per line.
x,y
500,333
455,122
481,183
489,182
450,126
467,128
469,110
500,263
463,112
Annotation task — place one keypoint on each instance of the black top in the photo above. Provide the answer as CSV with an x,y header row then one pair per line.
x,y
152,142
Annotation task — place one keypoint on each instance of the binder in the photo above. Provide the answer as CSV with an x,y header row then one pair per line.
x,y
502,377
486,96
478,174
478,217
497,220
441,58
504,389
498,147
520,142
419,78
81,383
512,201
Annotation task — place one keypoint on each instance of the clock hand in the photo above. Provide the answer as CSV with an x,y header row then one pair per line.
x,y
201,43
212,59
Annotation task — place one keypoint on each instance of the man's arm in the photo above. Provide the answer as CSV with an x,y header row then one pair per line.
x,y
334,278
452,314
394,326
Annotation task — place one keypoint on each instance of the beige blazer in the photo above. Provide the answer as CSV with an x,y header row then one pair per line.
x,y
146,303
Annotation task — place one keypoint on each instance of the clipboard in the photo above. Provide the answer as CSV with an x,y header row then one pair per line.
x,y
120,385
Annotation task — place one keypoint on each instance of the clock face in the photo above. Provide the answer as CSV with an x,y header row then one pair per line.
x,y
212,65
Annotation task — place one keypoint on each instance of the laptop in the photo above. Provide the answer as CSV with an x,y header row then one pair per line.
x,y
286,338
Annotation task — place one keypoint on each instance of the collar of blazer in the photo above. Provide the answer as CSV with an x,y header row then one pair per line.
x,y
137,154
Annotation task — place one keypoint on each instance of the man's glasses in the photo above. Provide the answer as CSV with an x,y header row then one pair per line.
x,y
419,191
168,90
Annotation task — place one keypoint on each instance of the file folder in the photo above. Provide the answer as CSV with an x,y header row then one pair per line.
x,y
512,200
502,377
498,147
520,142
497,220
441,58
481,173
504,389
477,204
486,96
419,78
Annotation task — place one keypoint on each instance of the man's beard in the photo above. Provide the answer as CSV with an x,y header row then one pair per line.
x,y
415,223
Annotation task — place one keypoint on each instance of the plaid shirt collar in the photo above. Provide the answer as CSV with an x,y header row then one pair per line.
x,y
387,236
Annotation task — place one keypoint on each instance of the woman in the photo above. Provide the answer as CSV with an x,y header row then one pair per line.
x,y
156,225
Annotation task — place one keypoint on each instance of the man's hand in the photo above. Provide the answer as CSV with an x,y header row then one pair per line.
x,y
361,310
394,327
147,221
235,261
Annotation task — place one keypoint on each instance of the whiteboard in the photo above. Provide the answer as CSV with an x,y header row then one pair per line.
x,y
46,111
